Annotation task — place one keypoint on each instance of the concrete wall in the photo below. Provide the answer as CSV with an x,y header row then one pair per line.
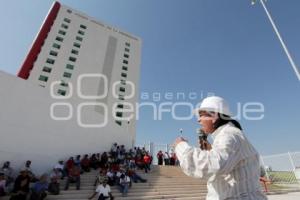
x,y
28,131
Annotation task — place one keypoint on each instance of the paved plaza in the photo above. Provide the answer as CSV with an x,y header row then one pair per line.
x,y
288,196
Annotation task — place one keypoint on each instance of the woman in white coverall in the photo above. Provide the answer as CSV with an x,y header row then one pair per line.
x,y
231,166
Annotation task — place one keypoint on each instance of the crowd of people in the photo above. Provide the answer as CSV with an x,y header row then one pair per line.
x,y
166,158
117,167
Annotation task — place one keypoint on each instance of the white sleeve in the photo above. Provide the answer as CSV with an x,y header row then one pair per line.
x,y
98,188
221,159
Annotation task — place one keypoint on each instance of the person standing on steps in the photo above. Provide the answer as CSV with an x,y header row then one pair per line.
x,y
231,166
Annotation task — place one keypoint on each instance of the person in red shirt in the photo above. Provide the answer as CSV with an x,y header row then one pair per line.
x,y
69,164
147,162
173,159
73,176
115,167
160,157
85,163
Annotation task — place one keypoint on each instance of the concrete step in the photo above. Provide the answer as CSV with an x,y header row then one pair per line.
x,y
163,182
173,182
141,185
158,178
138,197
134,190
130,194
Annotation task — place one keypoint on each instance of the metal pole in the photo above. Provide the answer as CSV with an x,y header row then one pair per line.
x,y
281,41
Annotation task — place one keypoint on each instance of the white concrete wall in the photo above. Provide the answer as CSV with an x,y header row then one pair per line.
x,y
28,131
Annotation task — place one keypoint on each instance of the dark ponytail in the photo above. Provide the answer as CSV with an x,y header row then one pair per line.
x,y
224,119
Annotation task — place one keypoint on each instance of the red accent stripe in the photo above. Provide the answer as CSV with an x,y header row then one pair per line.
x,y
27,66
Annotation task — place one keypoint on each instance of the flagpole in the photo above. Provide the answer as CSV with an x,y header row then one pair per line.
x,y
281,41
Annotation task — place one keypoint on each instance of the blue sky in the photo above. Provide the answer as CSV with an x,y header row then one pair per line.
x,y
195,46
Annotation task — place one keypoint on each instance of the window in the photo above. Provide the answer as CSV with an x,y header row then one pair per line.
x,y
126,55
53,53
124,75
73,51
47,69
124,68
127,44
69,66
119,114
67,75
121,97
82,26
79,38
80,32
64,84
123,82
61,92
50,61
60,39
64,26
67,20
125,61
127,50
72,59
120,106
57,46
62,32
122,89
76,45
43,78
119,122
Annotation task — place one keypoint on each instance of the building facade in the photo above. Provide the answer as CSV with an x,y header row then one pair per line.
x,y
76,91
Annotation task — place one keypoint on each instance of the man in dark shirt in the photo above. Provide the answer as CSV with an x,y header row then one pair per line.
x,y
21,186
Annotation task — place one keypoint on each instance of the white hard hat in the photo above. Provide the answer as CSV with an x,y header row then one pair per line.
x,y
215,104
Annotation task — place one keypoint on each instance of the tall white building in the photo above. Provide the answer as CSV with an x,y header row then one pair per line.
x,y
76,93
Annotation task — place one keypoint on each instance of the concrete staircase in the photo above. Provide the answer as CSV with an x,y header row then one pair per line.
x,y
163,182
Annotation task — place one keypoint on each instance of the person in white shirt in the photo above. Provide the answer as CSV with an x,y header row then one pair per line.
x,y
8,173
60,167
167,158
103,191
114,149
111,177
124,184
231,164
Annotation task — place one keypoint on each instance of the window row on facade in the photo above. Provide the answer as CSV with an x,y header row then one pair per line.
x,y
56,46
50,61
72,60
122,89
